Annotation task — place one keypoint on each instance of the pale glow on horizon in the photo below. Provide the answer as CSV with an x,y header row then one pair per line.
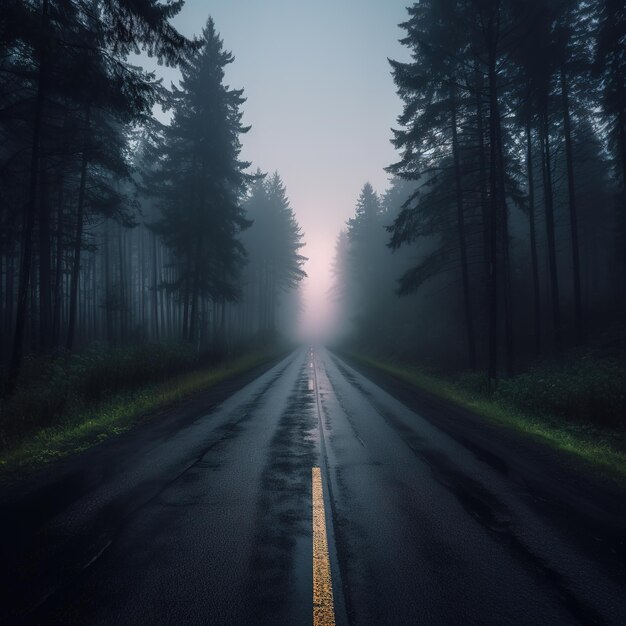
x,y
317,320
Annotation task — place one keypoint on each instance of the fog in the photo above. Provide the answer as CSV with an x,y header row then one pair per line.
x,y
313,312
321,101
442,182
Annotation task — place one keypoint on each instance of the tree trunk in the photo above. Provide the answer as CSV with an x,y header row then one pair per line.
x,y
32,315
492,288
29,215
163,305
506,258
193,320
186,300
155,287
571,191
94,298
533,240
549,210
45,282
107,283
127,279
224,341
58,270
78,238
2,283
142,279
482,170
621,149
10,289
469,323
122,284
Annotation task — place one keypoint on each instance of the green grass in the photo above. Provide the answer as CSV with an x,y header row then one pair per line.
x,y
536,404
87,423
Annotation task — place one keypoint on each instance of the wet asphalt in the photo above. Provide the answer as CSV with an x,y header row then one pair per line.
x,y
203,515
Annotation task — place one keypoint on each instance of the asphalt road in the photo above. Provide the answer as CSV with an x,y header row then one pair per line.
x,y
205,515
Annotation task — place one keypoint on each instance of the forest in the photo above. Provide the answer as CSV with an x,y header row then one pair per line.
x,y
138,246
131,250
313,313
115,227
500,242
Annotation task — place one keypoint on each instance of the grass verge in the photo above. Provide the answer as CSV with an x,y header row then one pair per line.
x,y
82,427
603,449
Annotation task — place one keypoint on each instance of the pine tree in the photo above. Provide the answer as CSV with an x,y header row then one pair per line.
x,y
202,182
433,94
55,46
367,236
273,243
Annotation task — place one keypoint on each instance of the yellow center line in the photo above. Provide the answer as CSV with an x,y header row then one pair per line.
x,y
323,606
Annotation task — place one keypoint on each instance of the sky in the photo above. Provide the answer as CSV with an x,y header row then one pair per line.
x,y
321,102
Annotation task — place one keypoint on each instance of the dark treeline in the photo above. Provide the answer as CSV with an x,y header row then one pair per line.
x,y
114,227
507,208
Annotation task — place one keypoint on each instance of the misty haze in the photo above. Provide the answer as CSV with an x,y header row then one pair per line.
x,y
313,313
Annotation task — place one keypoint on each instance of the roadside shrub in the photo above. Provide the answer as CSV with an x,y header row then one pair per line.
x,y
588,389
472,383
50,390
